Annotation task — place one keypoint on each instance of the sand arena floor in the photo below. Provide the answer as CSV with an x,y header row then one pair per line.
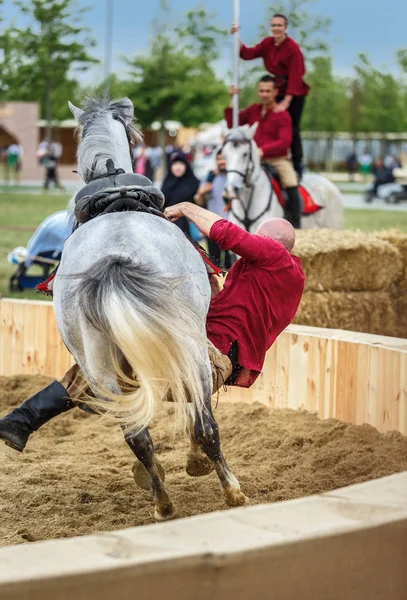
x,y
75,476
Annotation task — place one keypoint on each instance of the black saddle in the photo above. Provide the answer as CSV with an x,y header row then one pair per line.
x,y
117,191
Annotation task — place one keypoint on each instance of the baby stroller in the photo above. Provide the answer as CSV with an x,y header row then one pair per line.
x,y
44,249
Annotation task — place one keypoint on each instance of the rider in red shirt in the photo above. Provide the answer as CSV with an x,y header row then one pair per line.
x,y
283,58
273,138
261,293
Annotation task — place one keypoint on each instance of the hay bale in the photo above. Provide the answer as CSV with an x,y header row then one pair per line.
x,y
398,289
399,240
367,312
347,260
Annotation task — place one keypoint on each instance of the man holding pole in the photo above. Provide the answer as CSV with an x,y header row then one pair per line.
x,y
283,58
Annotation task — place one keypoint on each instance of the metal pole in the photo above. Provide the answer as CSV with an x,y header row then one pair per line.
x,y
236,52
109,39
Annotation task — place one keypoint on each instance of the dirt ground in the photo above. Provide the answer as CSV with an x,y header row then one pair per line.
x,y
75,476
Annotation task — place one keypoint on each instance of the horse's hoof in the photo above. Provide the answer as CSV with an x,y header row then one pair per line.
x,y
167,514
198,465
235,498
141,476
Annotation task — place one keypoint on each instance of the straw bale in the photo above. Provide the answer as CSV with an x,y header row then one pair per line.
x,y
347,260
367,312
398,289
398,239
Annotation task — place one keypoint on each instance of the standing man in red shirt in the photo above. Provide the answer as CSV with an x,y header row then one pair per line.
x,y
273,137
283,58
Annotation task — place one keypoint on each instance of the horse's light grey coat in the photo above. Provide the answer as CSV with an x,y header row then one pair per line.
x,y
323,192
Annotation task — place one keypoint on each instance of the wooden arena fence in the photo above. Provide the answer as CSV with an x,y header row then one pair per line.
x,y
354,377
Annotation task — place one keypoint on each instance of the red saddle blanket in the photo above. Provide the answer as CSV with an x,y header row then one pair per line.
x,y
308,203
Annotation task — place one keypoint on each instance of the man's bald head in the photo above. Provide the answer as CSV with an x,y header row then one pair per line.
x,y
279,230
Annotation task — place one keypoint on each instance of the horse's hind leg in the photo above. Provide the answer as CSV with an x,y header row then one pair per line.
x,y
198,464
143,447
207,435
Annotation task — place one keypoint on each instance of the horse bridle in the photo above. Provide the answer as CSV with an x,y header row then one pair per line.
x,y
246,221
118,118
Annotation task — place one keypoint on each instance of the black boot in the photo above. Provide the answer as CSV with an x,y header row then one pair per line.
x,y
16,427
293,208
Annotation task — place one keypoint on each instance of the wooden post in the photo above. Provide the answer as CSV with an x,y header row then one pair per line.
x,y
236,52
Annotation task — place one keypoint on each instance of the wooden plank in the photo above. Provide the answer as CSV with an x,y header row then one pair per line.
x,y
373,382
312,396
403,395
322,358
41,339
361,397
29,366
17,339
297,384
282,372
5,339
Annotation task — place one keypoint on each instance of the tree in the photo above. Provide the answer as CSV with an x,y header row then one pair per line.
x,y
175,79
330,100
40,56
200,35
381,107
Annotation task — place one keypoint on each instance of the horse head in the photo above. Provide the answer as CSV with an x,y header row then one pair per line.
x,y
107,130
242,160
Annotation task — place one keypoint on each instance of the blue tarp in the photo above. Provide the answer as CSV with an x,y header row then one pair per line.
x,y
50,235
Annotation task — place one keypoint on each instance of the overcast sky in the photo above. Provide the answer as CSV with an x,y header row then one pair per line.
x,y
375,27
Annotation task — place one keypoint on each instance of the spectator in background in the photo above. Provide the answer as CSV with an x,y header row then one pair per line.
x,y
180,185
365,163
154,155
210,196
13,161
187,150
50,162
142,164
397,161
382,173
351,164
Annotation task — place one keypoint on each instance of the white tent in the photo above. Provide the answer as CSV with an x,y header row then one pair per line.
x,y
212,136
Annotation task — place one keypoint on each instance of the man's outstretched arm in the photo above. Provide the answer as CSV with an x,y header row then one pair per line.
x,y
203,219
227,235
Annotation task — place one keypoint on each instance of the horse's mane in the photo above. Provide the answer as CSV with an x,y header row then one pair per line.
x,y
95,145
237,135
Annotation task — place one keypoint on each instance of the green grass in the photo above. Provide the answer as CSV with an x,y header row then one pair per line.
x,y
28,211
369,220
22,211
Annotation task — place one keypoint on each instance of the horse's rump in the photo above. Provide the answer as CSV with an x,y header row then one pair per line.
x,y
125,296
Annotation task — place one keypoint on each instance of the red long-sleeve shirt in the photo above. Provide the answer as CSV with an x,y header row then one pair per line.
x,y
260,298
285,61
274,132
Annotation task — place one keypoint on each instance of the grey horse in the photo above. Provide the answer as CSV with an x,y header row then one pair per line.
x,y
253,200
130,298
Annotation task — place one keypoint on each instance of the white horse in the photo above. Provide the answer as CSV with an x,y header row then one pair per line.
x,y
252,196
130,298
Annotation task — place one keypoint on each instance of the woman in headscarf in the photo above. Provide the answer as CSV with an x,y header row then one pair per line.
x,y
180,185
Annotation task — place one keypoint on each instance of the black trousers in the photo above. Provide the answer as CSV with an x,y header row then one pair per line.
x,y
295,109
215,251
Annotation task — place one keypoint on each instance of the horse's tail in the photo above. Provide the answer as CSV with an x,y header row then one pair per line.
x,y
153,329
